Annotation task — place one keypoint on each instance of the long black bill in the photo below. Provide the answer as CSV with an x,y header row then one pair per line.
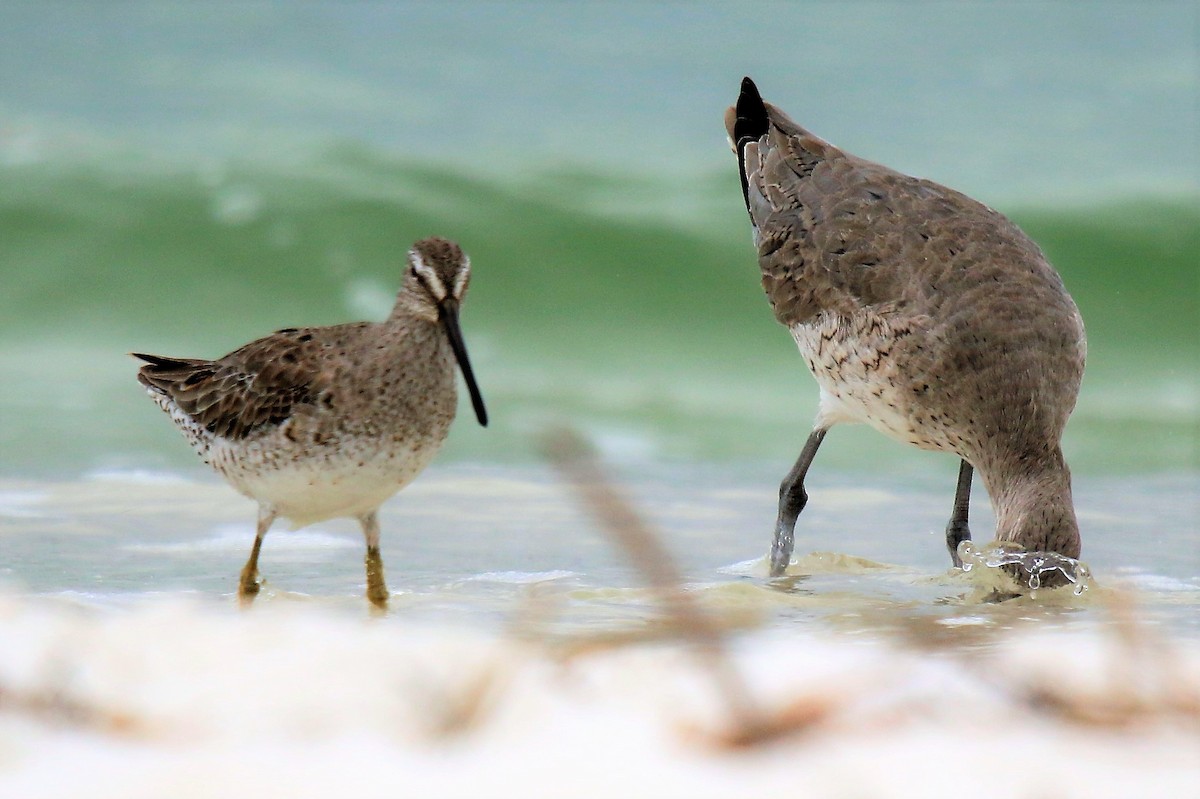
x,y
751,124
448,311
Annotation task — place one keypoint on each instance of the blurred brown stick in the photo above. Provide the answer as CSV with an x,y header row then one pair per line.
x,y
576,461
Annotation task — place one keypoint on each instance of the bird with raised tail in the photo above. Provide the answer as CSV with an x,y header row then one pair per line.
x,y
921,312
326,422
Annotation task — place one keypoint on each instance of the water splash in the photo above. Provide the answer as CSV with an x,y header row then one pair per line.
x,y
1011,567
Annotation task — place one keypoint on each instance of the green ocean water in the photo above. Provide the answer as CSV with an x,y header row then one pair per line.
x,y
183,178
589,304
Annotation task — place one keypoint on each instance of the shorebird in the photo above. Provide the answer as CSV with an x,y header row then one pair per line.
x,y
319,423
921,312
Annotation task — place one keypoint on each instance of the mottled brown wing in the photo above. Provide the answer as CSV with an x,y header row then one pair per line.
x,y
838,233
258,385
827,231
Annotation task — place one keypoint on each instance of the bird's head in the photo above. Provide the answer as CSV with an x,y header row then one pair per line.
x,y
435,284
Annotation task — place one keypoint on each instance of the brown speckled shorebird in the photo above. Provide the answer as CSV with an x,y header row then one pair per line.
x,y
921,312
325,422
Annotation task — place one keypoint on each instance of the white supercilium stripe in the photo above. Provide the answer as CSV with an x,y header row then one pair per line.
x,y
428,276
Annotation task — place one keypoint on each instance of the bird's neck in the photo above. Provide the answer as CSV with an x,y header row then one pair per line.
x,y
410,308
1031,495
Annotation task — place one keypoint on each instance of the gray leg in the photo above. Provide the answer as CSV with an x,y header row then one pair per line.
x,y
376,588
957,530
792,499
248,584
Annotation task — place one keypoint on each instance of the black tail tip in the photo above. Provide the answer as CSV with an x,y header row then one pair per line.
x,y
752,121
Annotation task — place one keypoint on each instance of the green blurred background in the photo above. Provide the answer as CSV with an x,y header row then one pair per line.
x,y
181,178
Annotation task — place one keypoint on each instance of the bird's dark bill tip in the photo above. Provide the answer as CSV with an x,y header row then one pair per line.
x,y
752,120
481,413
477,405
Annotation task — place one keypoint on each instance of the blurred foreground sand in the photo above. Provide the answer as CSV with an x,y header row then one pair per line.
x,y
170,698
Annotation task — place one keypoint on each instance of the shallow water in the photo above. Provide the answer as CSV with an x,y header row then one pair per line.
x,y
468,545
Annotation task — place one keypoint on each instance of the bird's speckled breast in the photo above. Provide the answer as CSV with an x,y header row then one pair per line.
x,y
855,363
320,466
344,455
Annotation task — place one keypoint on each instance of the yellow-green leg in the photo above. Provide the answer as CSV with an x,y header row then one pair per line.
x,y
377,590
249,583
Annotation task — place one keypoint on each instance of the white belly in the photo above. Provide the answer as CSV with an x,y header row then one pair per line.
x,y
310,490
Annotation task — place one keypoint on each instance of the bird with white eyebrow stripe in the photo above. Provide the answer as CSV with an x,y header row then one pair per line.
x,y
326,422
